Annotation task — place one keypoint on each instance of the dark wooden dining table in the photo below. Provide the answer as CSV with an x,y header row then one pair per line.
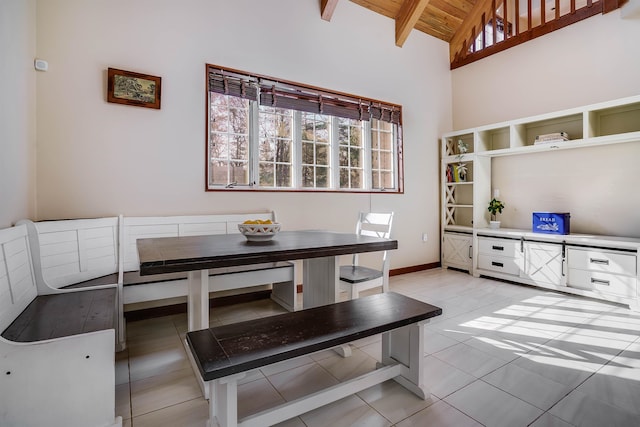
x,y
319,250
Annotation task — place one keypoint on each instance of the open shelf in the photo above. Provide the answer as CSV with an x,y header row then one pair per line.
x,y
614,120
494,139
525,133
451,144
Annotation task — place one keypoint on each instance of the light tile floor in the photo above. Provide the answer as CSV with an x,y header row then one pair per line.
x,y
500,355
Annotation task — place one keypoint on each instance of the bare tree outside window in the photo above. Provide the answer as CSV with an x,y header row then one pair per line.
x,y
351,152
228,140
316,130
275,147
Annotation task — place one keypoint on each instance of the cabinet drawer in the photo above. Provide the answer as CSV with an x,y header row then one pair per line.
x,y
605,261
606,283
500,264
500,247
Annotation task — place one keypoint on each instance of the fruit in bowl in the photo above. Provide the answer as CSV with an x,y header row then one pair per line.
x,y
259,230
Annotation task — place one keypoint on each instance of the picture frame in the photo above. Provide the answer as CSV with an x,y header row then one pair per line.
x,y
130,88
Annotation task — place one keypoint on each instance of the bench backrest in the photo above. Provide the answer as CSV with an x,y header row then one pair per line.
x,y
17,284
134,228
74,250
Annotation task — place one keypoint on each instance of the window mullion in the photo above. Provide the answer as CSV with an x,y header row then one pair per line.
x,y
334,162
297,150
366,161
254,144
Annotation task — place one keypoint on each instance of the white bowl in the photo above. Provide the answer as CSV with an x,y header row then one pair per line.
x,y
259,232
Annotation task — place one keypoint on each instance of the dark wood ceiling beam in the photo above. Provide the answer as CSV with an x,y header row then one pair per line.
x,y
327,7
407,18
464,30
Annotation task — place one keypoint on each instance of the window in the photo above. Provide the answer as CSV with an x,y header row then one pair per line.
x,y
267,135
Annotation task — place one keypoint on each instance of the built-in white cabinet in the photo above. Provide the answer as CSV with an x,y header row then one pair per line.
x,y
544,263
501,256
601,271
597,266
603,267
457,250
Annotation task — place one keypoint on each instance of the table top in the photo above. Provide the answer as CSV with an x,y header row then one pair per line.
x,y
238,347
172,254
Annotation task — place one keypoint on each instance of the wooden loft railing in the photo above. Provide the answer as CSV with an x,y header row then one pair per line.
x,y
485,30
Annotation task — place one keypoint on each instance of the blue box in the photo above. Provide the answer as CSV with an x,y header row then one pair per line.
x,y
551,223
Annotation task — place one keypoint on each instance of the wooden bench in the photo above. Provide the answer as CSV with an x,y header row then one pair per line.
x,y
137,289
224,354
77,253
57,346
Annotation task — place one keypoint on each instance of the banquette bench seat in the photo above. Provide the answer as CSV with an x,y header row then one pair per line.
x,y
57,349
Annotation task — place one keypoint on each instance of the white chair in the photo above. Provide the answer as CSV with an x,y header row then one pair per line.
x,y
355,278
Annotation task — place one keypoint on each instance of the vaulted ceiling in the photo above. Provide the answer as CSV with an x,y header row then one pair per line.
x,y
464,24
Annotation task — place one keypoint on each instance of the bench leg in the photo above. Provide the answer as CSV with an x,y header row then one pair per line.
x,y
198,300
406,345
223,401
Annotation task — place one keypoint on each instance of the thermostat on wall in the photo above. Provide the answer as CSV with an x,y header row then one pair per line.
x,y
41,65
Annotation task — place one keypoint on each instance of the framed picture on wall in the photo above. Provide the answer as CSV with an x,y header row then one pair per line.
x,y
127,87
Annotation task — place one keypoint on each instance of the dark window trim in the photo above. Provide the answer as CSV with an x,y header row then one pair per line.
x,y
377,109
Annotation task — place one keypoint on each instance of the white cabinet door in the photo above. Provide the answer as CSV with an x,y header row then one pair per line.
x,y
543,263
456,251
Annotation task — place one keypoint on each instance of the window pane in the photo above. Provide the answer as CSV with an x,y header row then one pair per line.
x,y
385,141
386,160
218,172
343,156
307,153
238,147
355,157
266,174
275,148
266,151
307,176
322,152
387,179
322,180
239,173
283,176
219,146
356,178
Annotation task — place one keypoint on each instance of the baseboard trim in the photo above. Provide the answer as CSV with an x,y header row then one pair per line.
x,y
413,268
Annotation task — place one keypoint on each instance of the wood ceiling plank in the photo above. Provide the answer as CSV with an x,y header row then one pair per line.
x,y
388,8
327,7
410,12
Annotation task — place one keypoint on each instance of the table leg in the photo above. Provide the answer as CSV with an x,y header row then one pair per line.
x,y
198,300
320,287
320,281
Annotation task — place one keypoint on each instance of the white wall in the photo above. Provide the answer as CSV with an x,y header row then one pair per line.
x,y
97,158
17,110
592,61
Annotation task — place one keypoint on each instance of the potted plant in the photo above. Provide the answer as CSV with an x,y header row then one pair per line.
x,y
461,168
495,207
